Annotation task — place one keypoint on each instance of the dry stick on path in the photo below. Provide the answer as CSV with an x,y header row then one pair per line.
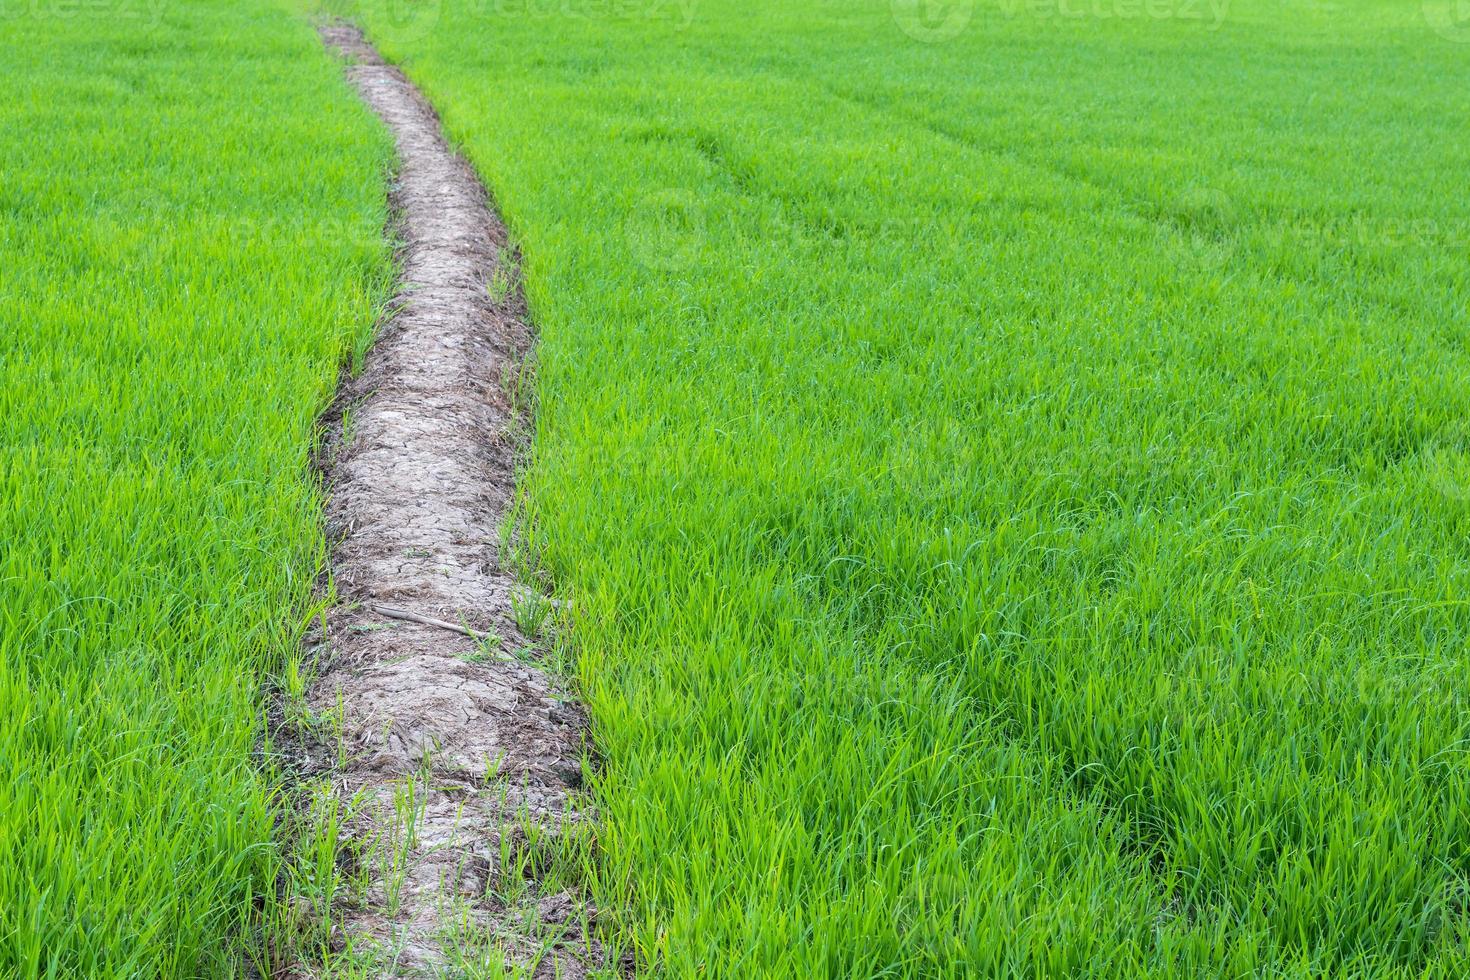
x,y
418,496
412,617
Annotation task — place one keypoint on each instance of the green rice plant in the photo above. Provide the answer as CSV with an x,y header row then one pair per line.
x,y
531,611
502,282
1009,461
190,228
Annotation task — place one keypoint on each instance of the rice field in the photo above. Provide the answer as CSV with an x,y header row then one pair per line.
x,y
1008,463
185,270
1012,466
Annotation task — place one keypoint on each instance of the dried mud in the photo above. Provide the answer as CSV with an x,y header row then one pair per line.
x,y
450,754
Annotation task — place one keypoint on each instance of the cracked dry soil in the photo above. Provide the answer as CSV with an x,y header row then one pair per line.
x,y
490,746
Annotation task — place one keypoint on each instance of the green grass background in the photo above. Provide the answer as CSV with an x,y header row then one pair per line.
x,y
191,214
1015,489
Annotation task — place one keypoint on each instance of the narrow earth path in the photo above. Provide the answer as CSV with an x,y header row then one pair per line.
x,y
455,755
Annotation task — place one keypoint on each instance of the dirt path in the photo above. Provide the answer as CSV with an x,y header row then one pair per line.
x,y
457,755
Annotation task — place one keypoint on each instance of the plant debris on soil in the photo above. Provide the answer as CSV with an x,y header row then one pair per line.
x,y
450,765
